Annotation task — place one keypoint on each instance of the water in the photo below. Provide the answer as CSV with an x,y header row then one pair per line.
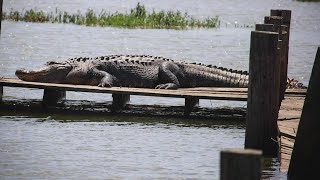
x,y
33,148
45,146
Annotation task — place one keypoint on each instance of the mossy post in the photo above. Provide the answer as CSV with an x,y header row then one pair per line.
x,y
239,164
304,163
263,99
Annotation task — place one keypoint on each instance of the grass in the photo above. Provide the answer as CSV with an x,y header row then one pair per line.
x,y
137,18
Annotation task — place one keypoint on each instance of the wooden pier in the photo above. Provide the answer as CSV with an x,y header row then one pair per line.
x,y
121,95
278,123
288,121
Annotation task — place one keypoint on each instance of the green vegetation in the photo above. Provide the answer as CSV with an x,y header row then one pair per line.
x,y
309,0
137,18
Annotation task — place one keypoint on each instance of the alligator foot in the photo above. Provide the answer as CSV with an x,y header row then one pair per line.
x,y
167,86
107,85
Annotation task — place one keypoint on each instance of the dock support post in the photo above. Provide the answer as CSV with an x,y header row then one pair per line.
x,y
1,3
283,42
190,103
119,101
51,97
281,20
263,97
285,14
239,164
265,27
286,21
305,157
1,93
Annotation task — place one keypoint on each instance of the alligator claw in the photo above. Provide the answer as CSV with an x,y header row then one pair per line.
x,y
167,86
104,85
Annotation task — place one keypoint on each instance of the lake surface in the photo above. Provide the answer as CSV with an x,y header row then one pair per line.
x,y
48,146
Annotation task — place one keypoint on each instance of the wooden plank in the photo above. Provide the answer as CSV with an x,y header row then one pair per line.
x,y
288,121
286,150
198,91
235,94
287,142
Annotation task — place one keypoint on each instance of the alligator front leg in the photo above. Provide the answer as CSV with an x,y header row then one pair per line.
x,y
167,86
168,73
107,81
93,77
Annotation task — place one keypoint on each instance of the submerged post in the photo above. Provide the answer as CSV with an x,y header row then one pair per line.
x,y
239,164
51,97
305,157
263,96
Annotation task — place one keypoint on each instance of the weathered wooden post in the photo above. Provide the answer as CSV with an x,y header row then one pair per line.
x,y
277,22
305,157
265,27
51,97
239,164
1,3
281,29
286,21
189,104
285,14
1,93
263,93
119,101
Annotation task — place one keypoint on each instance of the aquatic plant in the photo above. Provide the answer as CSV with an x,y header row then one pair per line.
x,y
137,18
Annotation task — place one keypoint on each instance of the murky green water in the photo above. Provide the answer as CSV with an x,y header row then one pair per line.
x,y
48,146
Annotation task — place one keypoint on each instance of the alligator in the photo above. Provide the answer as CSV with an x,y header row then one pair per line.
x,y
141,71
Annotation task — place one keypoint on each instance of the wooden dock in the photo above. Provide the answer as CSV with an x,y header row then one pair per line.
x,y
288,121
233,94
121,95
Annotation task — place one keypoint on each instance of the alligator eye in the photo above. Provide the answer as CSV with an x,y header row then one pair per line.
x,y
51,63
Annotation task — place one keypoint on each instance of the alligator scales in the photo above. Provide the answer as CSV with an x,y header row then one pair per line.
x,y
135,71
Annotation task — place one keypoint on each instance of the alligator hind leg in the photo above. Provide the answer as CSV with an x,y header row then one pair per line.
x,y
168,73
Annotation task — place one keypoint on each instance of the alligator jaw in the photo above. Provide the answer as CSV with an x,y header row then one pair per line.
x,y
28,75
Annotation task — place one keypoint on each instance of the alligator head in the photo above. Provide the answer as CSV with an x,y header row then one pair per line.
x,y
53,72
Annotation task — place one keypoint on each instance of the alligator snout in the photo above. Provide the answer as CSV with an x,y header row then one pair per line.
x,y
24,74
